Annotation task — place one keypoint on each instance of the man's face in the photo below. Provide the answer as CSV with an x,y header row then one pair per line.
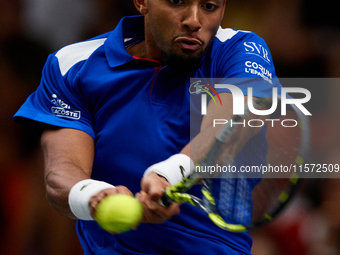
x,y
182,30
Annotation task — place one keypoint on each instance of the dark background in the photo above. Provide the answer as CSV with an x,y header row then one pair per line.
x,y
304,39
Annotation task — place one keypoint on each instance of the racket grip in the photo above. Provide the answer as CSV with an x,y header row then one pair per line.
x,y
165,200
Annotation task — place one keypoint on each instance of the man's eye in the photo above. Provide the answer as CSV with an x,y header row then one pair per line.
x,y
209,6
176,1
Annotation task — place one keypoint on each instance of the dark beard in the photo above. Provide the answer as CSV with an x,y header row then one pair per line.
x,y
182,64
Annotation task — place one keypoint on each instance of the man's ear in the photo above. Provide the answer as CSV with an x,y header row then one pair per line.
x,y
141,6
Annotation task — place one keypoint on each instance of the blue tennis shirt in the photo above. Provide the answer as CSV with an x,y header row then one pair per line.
x,y
138,113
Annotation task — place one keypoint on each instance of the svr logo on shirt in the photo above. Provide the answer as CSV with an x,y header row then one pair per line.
x,y
257,49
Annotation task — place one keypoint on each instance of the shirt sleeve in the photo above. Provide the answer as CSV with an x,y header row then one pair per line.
x,y
57,101
245,61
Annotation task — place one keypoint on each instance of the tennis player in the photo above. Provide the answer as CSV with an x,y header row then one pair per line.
x,y
115,108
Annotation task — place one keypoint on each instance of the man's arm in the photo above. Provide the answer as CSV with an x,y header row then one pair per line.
x,y
200,145
69,155
196,149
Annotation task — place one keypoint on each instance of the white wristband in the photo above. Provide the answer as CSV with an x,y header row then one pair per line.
x,y
80,195
170,168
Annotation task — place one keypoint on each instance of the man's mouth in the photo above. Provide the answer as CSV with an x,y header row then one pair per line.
x,y
188,43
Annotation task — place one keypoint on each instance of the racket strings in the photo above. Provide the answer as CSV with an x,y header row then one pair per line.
x,y
239,202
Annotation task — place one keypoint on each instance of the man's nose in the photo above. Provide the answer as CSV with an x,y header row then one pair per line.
x,y
191,18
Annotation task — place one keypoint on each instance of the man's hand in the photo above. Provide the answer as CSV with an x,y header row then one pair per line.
x,y
152,191
97,198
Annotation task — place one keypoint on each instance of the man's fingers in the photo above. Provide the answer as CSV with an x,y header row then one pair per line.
x,y
160,214
156,193
123,190
154,185
97,198
154,212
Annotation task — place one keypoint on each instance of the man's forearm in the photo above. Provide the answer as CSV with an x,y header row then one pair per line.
x,y
203,141
59,183
68,156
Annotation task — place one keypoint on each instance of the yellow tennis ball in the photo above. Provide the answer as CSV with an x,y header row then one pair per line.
x,y
119,213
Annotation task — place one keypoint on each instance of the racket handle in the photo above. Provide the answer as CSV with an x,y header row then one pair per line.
x,y
165,200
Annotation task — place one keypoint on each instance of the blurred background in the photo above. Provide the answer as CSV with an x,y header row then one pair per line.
x,y
304,39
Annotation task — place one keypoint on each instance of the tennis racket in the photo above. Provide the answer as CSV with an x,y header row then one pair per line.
x,y
232,203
